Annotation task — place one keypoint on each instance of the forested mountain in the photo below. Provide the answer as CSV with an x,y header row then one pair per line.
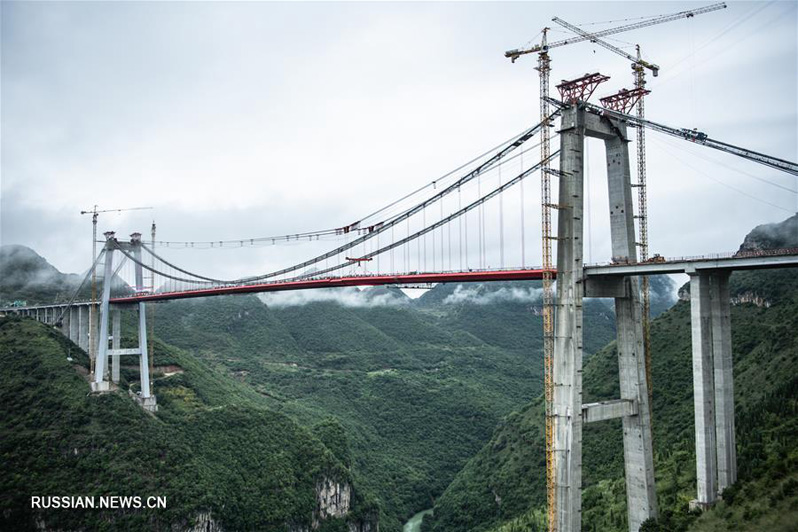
x,y
26,276
414,388
220,458
417,385
503,487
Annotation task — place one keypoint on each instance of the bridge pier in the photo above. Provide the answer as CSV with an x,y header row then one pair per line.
x,y
713,386
64,320
633,406
73,324
83,329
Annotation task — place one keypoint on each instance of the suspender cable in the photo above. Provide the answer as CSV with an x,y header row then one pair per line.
x,y
501,223
418,234
487,165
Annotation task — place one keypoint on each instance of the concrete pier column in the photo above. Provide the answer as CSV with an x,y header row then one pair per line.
x,y
641,497
83,328
64,320
724,380
703,390
73,324
567,363
95,336
116,333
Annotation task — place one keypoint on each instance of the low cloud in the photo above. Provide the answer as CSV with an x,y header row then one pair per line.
x,y
479,295
346,298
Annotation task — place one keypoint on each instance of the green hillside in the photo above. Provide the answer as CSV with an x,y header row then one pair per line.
x,y
417,386
212,450
503,487
26,276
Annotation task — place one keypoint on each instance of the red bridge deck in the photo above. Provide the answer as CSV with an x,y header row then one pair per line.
x,y
337,282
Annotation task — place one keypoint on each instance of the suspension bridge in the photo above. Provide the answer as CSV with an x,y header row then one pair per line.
x,y
471,225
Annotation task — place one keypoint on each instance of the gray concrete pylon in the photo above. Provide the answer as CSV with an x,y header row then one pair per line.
x,y
567,363
703,389
641,497
568,350
724,380
100,382
144,365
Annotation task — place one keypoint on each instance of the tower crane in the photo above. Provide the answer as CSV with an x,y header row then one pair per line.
x,y
544,70
94,214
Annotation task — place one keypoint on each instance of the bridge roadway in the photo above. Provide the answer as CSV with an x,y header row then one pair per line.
x,y
787,258
338,282
729,262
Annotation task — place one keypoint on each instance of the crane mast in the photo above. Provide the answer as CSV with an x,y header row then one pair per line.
x,y
544,69
642,215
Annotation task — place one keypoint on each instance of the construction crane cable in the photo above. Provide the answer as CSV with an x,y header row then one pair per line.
x,y
722,183
487,165
335,231
158,272
694,136
420,233
445,176
742,172
80,287
181,270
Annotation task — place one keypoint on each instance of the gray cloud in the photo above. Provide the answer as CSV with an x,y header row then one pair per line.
x,y
346,297
481,295
239,120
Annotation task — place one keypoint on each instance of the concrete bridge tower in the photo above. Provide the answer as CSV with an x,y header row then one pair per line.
x,y
572,286
101,380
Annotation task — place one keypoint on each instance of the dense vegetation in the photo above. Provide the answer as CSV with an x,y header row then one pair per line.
x,y
502,488
417,386
402,392
212,449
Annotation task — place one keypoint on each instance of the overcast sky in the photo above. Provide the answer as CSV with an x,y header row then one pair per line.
x,y
245,119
